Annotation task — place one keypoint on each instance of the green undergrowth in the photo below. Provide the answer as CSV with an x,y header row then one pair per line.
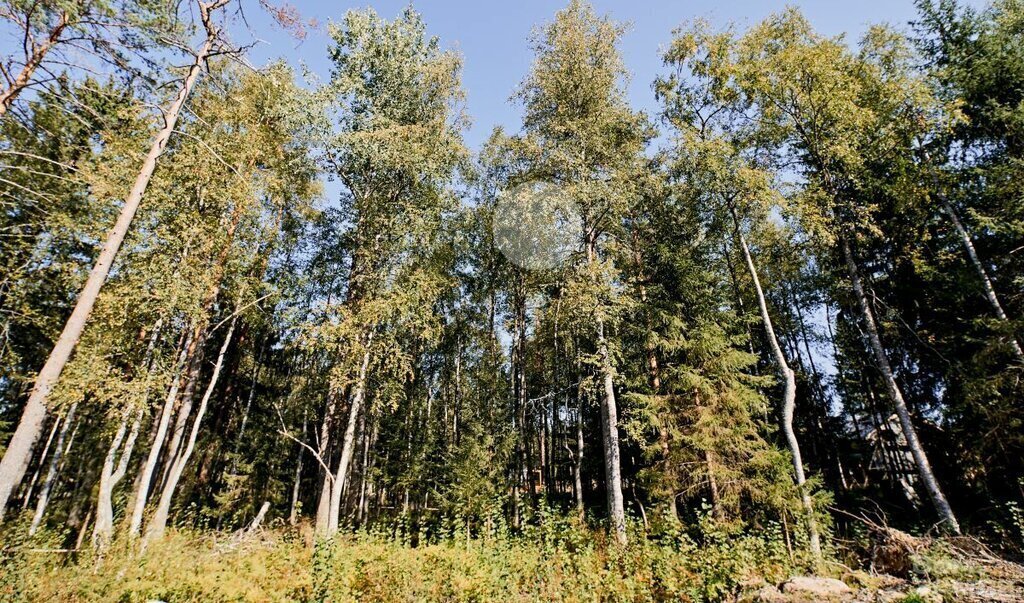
x,y
556,563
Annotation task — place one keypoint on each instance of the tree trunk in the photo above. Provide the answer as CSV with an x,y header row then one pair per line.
x,y
610,434
324,448
788,396
364,435
577,465
457,390
252,395
323,507
258,520
42,462
542,449
990,291
190,379
103,529
53,470
924,468
519,402
663,433
154,424
716,500
348,445
158,522
609,425
577,457
146,477
293,511
19,450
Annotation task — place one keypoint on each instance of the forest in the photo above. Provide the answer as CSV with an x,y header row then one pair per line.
x,y
269,337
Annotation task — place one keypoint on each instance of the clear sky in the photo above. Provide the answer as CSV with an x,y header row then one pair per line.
x,y
493,38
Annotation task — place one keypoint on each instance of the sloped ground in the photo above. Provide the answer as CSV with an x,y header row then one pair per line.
x,y
909,569
983,590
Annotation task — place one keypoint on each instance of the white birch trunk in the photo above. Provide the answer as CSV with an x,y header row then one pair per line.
x,y
924,468
990,291
324,501
294,509
610,433
110,476
185,402
146,479
19,450
158,522
577,465
347,446
609,425
788,398
103,528
42,463
258,520
53,470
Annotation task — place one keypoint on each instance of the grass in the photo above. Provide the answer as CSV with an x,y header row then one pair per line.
x,y
283,565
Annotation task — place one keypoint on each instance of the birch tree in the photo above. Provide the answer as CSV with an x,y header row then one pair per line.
x,y
591,143
19,451
715,153
241,221
834,124
395,95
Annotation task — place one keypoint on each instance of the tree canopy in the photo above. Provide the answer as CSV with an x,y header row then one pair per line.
x,y
789,298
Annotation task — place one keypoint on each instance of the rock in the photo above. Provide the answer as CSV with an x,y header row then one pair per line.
x,y
999,591
817,589
770,594
890,596
928,594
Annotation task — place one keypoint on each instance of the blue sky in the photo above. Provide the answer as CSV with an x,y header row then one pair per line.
x,y
493,38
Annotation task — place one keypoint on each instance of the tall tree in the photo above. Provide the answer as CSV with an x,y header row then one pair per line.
x,y
591,147
19,451
396,144
837,125
717,154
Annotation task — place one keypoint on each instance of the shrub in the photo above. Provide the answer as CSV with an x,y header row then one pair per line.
x,y
555,559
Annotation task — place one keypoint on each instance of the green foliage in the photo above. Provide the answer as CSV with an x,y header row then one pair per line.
x,y
470,392
182,567
48,216
559,562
